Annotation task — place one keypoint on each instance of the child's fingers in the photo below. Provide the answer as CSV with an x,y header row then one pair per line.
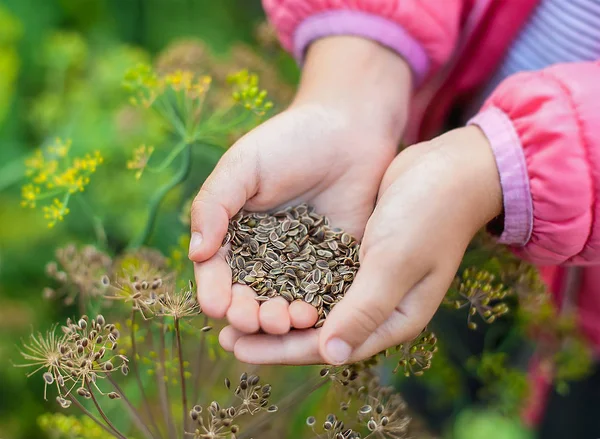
x,y
243,312
213,280
303,315
274,316
295,348
233,182
228,337
408,319
383,279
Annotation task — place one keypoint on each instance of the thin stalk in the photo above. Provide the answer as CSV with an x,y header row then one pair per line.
x,y
135,415
181,374
169,159
102,414
217,369
160,194
136,372
96,223
91,415
198,363
163,384
286,403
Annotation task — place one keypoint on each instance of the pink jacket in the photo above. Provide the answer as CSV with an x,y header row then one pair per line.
x,y
544,126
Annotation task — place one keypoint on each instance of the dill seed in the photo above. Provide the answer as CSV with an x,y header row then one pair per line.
x,y
293,253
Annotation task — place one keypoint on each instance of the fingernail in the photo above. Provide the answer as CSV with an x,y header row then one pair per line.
x,y
338,351
195,243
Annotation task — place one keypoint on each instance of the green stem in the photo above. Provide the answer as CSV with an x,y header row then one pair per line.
x,y
181,375
136,372
91,416
135,415
198,365
160,194
97,224
165,109
163,384
169,159
110,424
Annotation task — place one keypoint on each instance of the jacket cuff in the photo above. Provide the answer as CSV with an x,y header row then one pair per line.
x,y
362,24
514,179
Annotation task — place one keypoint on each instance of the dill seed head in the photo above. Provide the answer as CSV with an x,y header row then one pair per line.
x,y
416,355
178,305
480,292
78,272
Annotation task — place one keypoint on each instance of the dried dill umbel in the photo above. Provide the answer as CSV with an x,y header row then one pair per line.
x,y
79,273
293,253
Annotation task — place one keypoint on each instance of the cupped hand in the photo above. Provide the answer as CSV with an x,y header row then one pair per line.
x,y
327,150
433,199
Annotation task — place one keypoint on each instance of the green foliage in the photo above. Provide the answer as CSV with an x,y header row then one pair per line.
x,y
505,387
477,424
60,426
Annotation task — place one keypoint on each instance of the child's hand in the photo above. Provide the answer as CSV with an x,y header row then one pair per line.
x,y
433,199
329,149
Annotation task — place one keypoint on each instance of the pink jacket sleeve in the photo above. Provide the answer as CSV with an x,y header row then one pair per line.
x,y
544,128
424,33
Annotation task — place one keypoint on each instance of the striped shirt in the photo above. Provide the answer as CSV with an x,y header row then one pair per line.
x,y
558,31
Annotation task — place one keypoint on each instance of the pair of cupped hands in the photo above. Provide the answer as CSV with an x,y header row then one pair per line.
x,y
335,148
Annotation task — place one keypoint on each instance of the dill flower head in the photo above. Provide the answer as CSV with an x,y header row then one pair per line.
x,y
385,414
219,422
178,305
80,273
481,293
187,54
254,397
141,157
416,355
54,177
247,93
90,346
266,35
141,279
332,428
46,352
147,86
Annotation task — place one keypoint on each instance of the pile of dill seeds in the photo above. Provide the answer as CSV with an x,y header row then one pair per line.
x,y
293,253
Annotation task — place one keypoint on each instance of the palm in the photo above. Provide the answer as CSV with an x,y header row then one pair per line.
x,y
304,155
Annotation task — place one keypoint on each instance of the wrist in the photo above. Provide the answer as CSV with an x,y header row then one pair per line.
x,y
474,167
368,83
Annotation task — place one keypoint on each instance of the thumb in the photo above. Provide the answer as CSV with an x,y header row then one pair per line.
x,y
380,284
233,181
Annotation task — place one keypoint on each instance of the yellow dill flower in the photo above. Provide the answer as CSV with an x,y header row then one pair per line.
x,y
141,156
34,163
30,194
60,148
248,94
200,87
144,85
180,80
54,174
55,212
